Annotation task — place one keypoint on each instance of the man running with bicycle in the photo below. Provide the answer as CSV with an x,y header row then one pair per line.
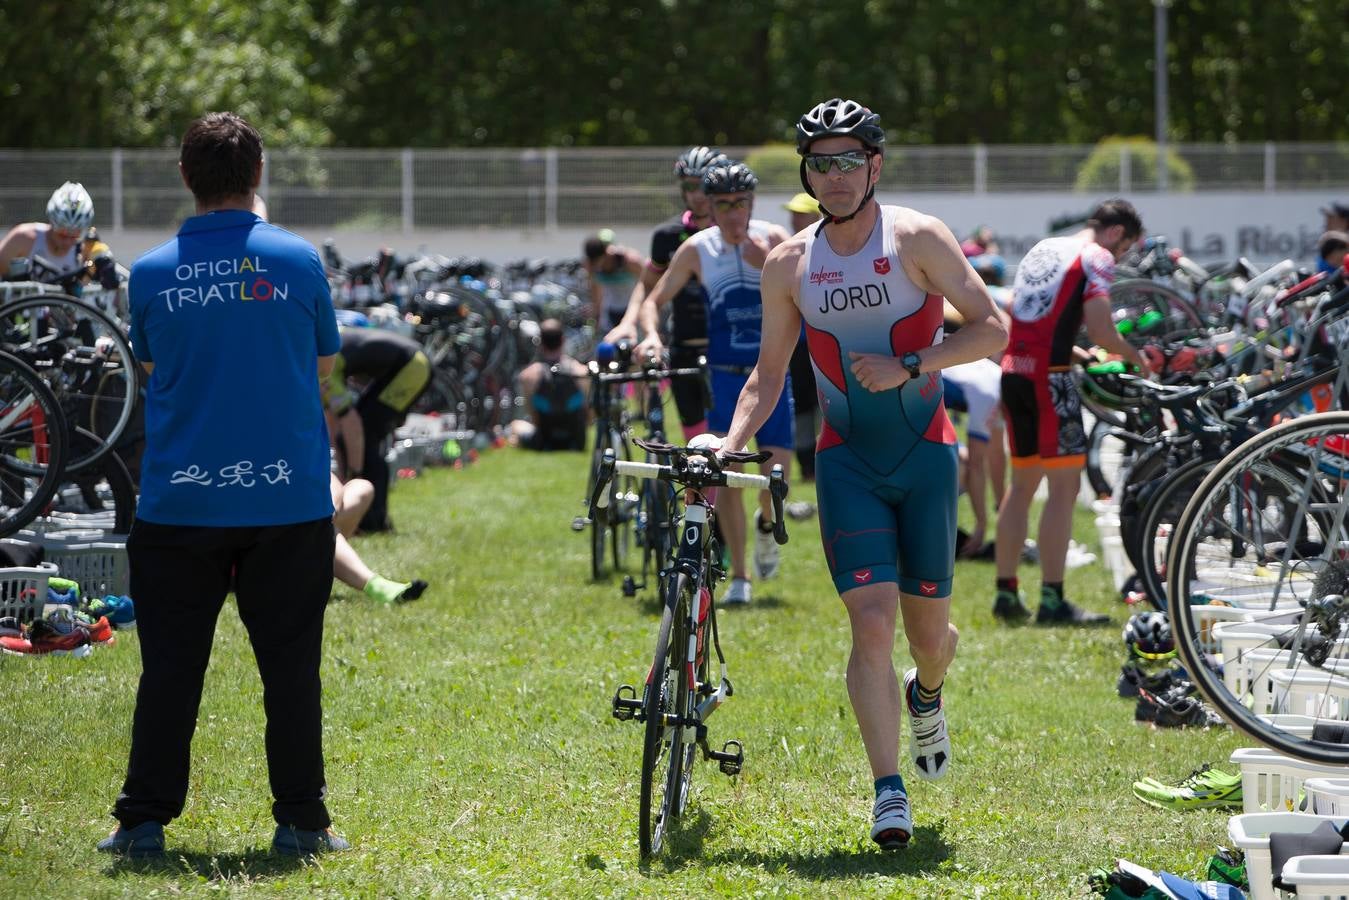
x,y
728,260
869,282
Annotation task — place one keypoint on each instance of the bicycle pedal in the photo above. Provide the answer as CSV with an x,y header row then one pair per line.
x,y
629,586
627,707
731,757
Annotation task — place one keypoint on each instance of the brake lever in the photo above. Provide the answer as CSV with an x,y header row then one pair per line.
x,y
777,489
599,497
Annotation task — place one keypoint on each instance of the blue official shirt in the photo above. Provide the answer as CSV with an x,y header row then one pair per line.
x,y
234,313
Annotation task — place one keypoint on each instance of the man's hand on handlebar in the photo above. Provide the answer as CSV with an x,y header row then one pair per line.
x,y
622,332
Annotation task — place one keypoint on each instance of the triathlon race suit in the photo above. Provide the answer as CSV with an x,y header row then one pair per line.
x,y
688,319
615,291
885,465
394,367
1043,410
734,331
45,265
975,388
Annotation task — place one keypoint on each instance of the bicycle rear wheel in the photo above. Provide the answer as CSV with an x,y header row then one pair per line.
x,y
85,359
1265,536
662,747
34,444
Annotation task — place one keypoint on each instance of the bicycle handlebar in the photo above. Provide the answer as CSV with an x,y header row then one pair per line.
x,y
647,375
696,477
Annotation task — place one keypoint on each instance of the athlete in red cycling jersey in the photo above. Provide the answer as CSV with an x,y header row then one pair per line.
x,y
1060,284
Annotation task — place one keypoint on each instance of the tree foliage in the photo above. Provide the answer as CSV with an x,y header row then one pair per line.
x,y
664,72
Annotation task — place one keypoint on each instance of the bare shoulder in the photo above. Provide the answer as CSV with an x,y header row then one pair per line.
x,y
786,259
919,229
26,231
777,235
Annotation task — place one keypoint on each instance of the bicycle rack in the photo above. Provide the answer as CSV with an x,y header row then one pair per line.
x,y
627,706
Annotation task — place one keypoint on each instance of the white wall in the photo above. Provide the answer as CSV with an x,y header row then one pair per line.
x,y
1211,227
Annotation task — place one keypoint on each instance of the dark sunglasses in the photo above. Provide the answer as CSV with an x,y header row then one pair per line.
x,y
728,205
849,161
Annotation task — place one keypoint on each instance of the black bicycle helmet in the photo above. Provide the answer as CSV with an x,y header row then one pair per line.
x,y
729,177
840,118
1148,636
693,162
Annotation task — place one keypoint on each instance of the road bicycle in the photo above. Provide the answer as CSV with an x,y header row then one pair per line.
x,y
681,692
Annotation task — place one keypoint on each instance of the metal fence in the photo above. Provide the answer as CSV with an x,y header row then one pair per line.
x,y
544,189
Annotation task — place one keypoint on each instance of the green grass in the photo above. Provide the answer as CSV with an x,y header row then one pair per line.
x,y
470,749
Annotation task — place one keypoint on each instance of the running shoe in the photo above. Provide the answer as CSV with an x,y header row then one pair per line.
x,y
1010,606
929,743
737,593
10,627
1204,788
1078,556
146,839
767,554
1056,610
119,610
100,631
892,824
290,841
1176,708
60,634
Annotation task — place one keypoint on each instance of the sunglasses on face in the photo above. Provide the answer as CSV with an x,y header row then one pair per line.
x,y
724,206
849,161
691,185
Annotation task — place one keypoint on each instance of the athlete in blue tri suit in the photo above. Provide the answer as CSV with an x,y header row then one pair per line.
x,y
728,260
868,283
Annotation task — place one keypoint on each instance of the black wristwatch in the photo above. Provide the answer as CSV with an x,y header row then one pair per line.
x,y
911,361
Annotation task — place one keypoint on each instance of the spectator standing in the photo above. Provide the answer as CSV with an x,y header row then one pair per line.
x,y
233,321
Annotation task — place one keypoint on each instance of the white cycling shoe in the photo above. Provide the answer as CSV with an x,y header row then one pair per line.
x,y
929,743
738,593
892,823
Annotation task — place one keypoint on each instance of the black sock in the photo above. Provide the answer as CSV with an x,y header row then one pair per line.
x,y
921,699
1052,589
1007,584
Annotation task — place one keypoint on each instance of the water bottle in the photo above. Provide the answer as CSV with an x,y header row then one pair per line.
x,y
1150,320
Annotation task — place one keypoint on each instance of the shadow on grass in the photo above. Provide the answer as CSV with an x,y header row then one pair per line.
x,y
258,862
684,848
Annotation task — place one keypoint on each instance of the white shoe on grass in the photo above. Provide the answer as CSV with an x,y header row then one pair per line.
x,y
892,824
929,743
737,593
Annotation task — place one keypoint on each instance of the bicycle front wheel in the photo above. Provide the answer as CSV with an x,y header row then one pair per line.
x,y
663,744
1259,570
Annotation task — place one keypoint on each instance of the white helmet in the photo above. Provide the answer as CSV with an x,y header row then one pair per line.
x,y
71,207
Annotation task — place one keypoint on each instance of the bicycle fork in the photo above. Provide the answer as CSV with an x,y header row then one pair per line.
x,y
697,706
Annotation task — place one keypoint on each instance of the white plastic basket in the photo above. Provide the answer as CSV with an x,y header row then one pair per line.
x,y
1327,796
1272,782
95,560
1318,877
23,591
1250,833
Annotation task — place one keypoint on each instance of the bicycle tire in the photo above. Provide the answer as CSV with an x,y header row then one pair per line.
x,y
1132,297
33,445
1164,508
108,480
599,525
659,740
1268,457
98,397
623,505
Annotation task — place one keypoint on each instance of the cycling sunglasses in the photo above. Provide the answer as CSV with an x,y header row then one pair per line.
x,y
728,205
848,161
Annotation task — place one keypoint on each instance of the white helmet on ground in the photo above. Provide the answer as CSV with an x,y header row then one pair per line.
x,y
71,207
